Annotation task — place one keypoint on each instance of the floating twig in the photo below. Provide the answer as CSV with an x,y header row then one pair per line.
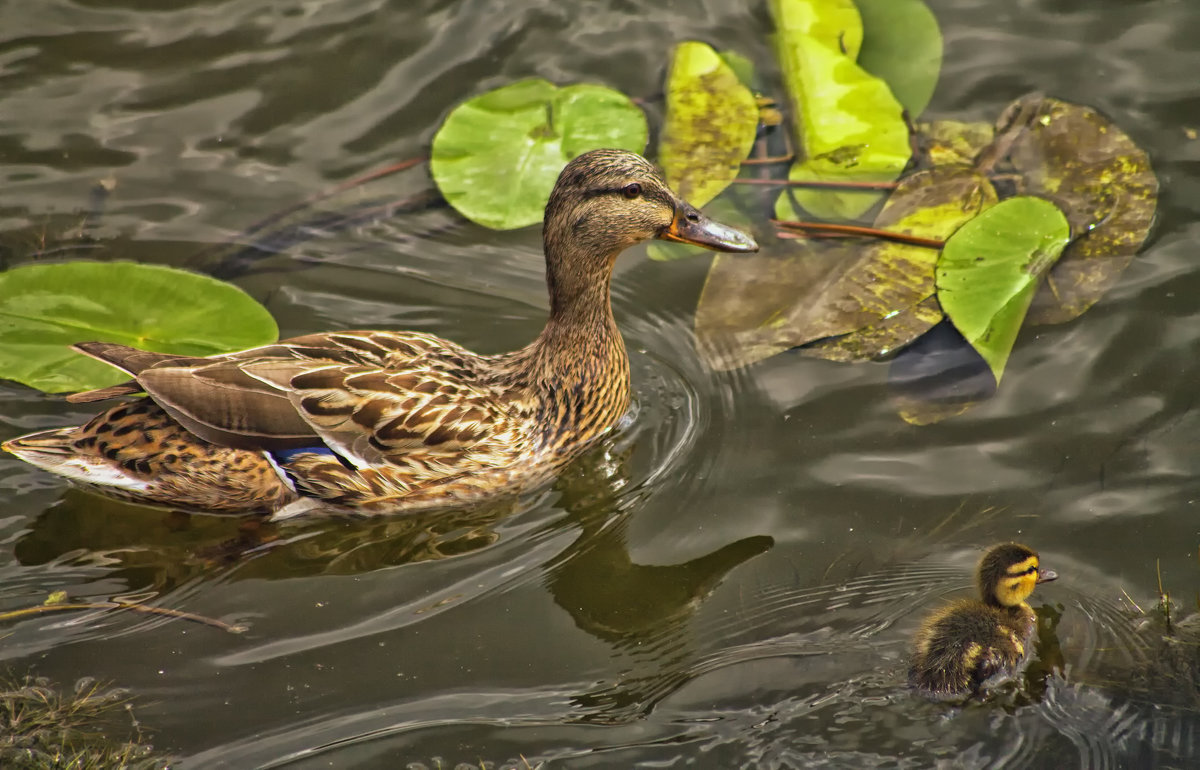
x,y
113,605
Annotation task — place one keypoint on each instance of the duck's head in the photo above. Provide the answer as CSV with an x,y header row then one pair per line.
x,y
1007,574
608,200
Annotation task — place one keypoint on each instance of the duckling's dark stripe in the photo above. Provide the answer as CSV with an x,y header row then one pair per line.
x,y
1023,567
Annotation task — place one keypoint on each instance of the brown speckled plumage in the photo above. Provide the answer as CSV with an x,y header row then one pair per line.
x,y
963,647
415,421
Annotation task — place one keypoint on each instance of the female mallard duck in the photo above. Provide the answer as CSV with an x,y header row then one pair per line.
x,y
969,645
378,421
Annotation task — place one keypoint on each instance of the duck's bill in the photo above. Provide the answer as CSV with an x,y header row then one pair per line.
x,y
1046,575
690,226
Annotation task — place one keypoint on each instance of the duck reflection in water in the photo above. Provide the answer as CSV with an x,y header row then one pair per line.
x,y
641,610
593,579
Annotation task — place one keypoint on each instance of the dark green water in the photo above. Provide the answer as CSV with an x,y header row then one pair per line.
x,y
733,579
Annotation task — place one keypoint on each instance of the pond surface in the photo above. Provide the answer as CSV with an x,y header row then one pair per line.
x,y
733,578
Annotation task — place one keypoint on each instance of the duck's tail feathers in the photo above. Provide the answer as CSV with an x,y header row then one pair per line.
x,y
129,360
103,394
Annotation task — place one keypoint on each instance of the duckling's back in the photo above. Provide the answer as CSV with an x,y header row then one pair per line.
x,y
960,648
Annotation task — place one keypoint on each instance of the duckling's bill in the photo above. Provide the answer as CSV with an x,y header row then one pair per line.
x,y
690,226
1046,575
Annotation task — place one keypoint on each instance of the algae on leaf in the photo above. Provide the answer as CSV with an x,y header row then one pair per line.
x,y
951,142
496,157
45,308
1104,184
849,127
710,125
990,268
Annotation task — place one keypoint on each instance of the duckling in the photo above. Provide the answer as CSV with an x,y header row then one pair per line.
x,y
383,421
971,644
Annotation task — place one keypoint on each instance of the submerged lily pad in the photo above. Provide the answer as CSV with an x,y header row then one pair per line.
x,y
496,157
744,308
990,268
45,308
849,126
939,376
903,45
1104,183
710,126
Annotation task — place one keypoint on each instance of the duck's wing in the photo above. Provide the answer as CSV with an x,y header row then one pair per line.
x,y
364,395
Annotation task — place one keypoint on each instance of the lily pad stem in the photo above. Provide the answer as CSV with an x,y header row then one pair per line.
x,y
826,229
819,185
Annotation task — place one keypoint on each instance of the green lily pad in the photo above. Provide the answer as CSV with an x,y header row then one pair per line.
x,y
710,125
990,269
902,44
849,128
1105,185
745,70
849,300
45,308
496,157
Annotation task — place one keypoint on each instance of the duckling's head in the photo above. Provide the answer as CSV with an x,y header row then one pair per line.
x,y
1007,574
608,200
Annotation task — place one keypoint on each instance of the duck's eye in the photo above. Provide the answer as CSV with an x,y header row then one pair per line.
x,y
631,190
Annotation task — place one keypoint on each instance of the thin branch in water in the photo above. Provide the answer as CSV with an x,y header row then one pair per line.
x,y
1164,598
827,229
1131,601
143,608
395,168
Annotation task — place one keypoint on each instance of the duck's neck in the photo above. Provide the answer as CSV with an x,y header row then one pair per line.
x,y
577,366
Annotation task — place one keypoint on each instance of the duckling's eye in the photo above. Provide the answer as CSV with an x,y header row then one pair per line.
x,y
631,190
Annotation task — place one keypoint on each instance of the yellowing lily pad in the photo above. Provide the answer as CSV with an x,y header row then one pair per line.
x,y
846,300
710,125
849,126
1105,185
496,157
991,267
835,24
45,308
884,300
